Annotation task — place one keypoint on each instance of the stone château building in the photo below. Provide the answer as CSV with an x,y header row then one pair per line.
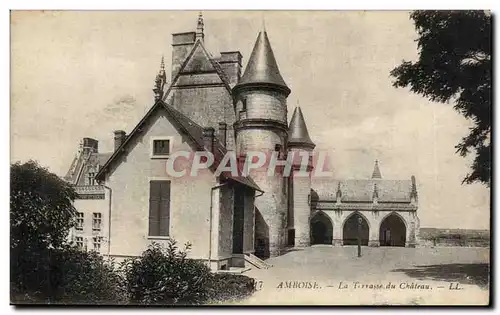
x,y
127,200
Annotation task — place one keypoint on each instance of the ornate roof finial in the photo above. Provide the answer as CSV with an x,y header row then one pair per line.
x,y
263,22
162,73
160,81
200,27
376,171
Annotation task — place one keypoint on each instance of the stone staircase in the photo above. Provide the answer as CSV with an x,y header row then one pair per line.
x,y
256,261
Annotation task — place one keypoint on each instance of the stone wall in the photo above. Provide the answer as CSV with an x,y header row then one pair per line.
x,y
435,237
301,196
263,104
206,106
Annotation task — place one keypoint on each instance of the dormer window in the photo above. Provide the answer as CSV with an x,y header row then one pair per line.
x,y
91,179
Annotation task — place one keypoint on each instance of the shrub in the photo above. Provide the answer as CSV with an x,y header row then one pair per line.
x,y
68,276
166,276
226,287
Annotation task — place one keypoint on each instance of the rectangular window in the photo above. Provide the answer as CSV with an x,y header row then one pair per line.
x,y
96,221
91,179
159,207
96,241
161,147
243,111
79,242
79,221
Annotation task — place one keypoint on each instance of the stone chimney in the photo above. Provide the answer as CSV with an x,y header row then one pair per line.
x,y
208,138
120,136
230,63
222,133
182,43
90,145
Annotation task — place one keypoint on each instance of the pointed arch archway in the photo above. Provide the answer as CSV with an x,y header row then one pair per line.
x,y
393,230
321,228
350,230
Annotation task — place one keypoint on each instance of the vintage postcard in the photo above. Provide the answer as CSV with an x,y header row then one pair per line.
x,y
250,157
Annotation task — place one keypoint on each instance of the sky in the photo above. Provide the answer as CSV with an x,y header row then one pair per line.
x,y
78,74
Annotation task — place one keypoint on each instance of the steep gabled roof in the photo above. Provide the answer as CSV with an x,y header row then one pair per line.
x,y
187,127
216,66
78,169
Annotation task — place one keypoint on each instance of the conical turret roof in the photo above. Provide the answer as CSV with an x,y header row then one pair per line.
x,y
262,67
297,131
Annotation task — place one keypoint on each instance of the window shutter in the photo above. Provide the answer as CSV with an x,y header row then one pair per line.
x,y
159,208
165,209
154,208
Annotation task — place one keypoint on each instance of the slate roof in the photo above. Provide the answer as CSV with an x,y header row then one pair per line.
x,y
78,169
369,206
262,66
359,191
297,131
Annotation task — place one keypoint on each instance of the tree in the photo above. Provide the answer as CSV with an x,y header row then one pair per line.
x,y
41,207
41,214
45,266
454,65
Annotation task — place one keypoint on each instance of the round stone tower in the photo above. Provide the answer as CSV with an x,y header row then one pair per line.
x,y
301,146
261,125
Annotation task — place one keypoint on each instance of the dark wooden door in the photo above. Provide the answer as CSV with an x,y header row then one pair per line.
x,y
238,220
